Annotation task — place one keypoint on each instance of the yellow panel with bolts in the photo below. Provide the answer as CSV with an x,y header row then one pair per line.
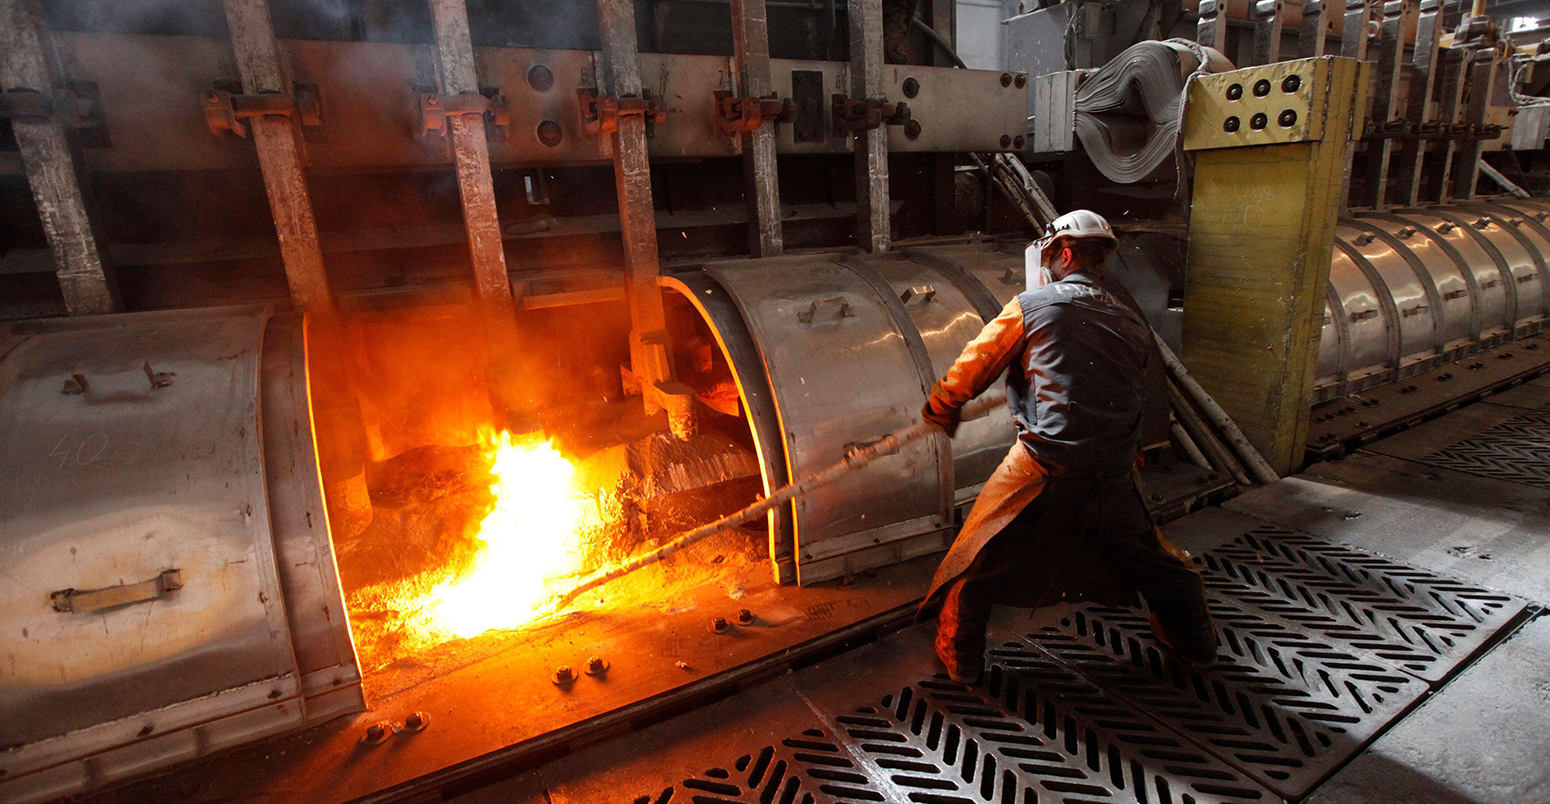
x,y
1261,231
1274,104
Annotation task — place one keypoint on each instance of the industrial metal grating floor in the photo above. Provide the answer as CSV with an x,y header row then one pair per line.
x,y
1322,646
1517,450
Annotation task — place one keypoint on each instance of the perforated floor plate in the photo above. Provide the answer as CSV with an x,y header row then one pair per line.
x,y
1517,450
1321,646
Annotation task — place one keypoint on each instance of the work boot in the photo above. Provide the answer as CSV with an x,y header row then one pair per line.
x,y
960,638
1195,653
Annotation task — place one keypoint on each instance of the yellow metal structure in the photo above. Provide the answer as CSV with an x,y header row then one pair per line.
x,y
1262,223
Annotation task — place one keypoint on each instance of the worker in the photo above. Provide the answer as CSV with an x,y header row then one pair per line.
x,y
1062,516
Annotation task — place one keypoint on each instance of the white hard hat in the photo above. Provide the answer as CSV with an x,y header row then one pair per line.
x,y
1077,223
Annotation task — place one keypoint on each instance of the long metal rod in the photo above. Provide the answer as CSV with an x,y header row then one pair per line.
x,y
53,175
751,50
856,459
1418,102
471,155
1252,460
1187,446
873,231
650,357
1220,458
1397,16
279,155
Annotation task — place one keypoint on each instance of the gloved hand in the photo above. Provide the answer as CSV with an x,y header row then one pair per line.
x,y
942,415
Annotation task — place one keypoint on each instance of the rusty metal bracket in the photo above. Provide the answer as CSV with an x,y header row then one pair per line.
x,y
735,115
225,110
77,105
435,109
852,114
600,113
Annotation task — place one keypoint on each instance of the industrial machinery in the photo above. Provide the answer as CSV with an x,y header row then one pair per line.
x,y
339,338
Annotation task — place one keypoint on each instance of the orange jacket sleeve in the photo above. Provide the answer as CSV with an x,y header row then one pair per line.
x,y
981,362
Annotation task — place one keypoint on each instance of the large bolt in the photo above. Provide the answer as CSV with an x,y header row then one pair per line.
x,y
596,666
720,625
416,721
563,675
745,617
375,733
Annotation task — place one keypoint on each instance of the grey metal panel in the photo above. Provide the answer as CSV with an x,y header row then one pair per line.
x,y
1331,343
309,576
1525,246
1490,292
1367,346
1453,308
842,373
133,476
1411,301
946,321
1000,271
726,326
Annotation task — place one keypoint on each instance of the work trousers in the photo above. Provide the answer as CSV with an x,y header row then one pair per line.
x,y
1033,560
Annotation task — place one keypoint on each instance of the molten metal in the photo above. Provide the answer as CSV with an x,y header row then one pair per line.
x,y
530,540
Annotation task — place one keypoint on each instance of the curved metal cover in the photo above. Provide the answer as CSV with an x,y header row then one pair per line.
x,y
1366,326
132,448
843,374
1396,278
947,320
1487,287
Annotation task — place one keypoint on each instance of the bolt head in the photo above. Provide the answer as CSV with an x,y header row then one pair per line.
x,y
720,625
416,721
564,675
745,617
433,101
596,666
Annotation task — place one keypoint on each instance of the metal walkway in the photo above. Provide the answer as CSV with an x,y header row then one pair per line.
x,y
1322,647
1346,598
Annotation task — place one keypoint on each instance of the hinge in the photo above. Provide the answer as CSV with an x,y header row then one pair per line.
x,y
600,113
735,115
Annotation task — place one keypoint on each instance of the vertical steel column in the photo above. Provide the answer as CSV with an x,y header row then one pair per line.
x,y
866,81
1397,16
471,154
52,173
1454,64
1418,103
1212,29
650,350
279,155
1478,87
1269,17
1353,37
1315,28
751,48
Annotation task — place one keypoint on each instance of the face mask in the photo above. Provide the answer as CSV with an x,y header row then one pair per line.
x,y
1037,273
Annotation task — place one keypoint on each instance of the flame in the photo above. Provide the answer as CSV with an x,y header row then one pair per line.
x,y
529,540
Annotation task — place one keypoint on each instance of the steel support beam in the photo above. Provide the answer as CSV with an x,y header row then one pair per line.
x,y
471,154
85,279
751,49
1353,37
651,366
279,155
871,145
1454,65
1418,103
1398,15
1481,78
1252,314
1269,17
1212,28
1313,35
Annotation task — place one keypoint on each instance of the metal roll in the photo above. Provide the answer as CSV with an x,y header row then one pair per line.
x,y
170,581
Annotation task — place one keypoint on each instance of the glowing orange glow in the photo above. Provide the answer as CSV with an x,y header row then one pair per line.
x,y
529,542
